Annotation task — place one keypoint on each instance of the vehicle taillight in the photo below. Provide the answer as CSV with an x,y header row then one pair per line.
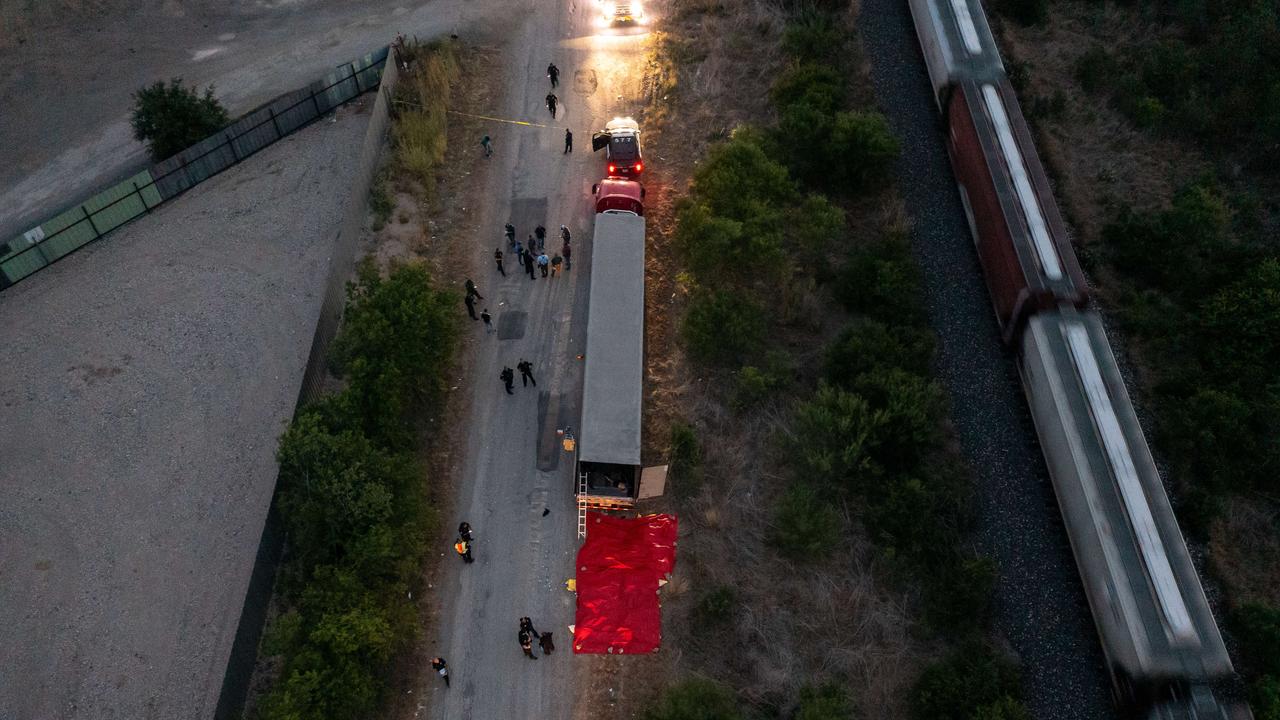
x,y
639,166
612,168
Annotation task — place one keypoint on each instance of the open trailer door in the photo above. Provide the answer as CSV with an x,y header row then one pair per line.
x,y
653,482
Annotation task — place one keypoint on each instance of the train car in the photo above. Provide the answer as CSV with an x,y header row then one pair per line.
x,y
1161,643
1022,242
957,44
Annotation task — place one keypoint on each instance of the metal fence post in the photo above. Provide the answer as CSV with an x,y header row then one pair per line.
x,y
274,124
89,217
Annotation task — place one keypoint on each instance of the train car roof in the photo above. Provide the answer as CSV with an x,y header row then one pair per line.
x,y
1122,511
957,41
1026,198
615,343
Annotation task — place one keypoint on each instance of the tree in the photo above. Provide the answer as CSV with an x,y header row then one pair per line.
x,y
738,180
971,677
695,699
173,117
864,148
836,435
807,526
829,701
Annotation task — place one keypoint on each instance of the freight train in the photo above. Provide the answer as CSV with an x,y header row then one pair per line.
x,y
1162,647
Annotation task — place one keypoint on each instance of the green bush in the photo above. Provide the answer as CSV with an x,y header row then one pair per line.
x,y
755,385
829,701
170,118
1264,698
958,592
882,281
1026,12
819,86
1148,112
814,228
716,247
911,410
806,525
973,676
862,149
695,699
717,606
397,333
685,459
1257,627
738,180
1240,328
836,435
816,37
1096,69
867,345
723,326
1005,708
1176,250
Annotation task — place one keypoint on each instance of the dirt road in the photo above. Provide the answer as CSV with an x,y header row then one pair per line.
x,y
71,66
515,470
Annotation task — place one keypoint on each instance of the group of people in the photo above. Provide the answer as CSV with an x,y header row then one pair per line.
x,y
532,254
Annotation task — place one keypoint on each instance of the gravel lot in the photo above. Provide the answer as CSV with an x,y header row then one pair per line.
x,y
149,376
1041,608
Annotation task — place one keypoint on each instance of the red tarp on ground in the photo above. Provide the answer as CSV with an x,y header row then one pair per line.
x,y
619,567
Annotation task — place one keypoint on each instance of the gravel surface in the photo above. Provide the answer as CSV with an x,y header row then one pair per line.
x,y
1041,608
149,376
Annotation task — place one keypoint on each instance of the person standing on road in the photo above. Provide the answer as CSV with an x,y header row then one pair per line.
x,y
488,320
463,548
518,249
540,233
526,373
548,646
438,664
543,261
497,258
508,378
527,626
568,256
472,291
511,235
528,264
555,264
564,234
553,72
568,141
471,306
487,144
526,644
464,529
551,103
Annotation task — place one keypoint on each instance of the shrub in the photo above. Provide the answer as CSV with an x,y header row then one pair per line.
x,y
695,699
866,345
738,180
815,37
882,281
1148,112
723,326
829,701
685,458
1095,69
911,410
397,333
717,247
1026,12
1005,708
170,118
1264,697
814,227
958,592
972,676
818,86
836,434
803,138
419,134
807,525
1257,627
1240,328
717,606
862,149
755,384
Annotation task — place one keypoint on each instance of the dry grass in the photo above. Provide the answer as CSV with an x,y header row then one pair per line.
x,y
419,136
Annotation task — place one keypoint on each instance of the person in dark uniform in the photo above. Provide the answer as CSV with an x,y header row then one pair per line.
x,y
553,72
526,644
568,141
471,306
527,625
548,646
472,291
551,103
464,529
526,373
508,379
497,258
540,233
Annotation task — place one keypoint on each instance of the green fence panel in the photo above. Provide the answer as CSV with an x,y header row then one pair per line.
x,y
118,204
68,241
20,266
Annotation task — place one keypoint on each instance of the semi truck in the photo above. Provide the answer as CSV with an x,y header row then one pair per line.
x,y
608,469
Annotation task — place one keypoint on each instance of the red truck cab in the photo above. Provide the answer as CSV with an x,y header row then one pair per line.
x,y
619,196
